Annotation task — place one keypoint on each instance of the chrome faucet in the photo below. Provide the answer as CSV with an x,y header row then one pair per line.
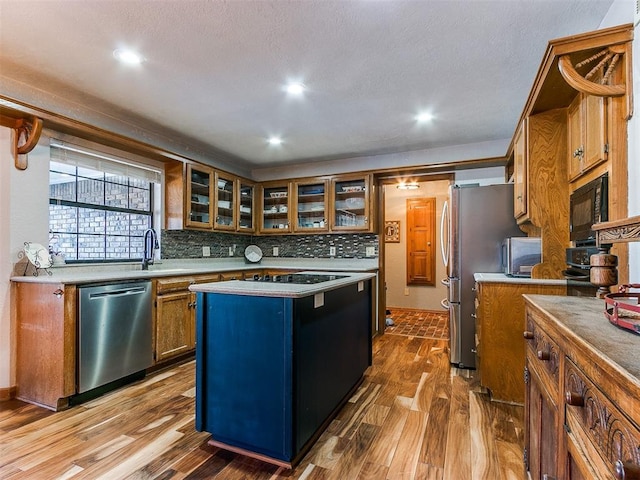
x,y
150,244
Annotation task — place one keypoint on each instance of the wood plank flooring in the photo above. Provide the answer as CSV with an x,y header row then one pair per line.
x,y
414,417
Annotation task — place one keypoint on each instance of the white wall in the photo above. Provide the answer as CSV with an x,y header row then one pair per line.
x,y
24,217
620,12
419,296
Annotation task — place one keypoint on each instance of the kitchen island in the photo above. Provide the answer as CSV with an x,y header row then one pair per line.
x,y
276,360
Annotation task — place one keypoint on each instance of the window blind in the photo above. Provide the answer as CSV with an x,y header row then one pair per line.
x,y
70,154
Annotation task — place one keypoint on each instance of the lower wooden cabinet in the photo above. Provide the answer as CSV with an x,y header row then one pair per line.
x,y
583,385
499,327
175,331
45,343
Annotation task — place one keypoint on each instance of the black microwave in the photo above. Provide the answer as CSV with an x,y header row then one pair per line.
x,y
589,204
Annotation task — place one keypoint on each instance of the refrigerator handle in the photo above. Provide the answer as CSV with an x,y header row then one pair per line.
x,y
444,240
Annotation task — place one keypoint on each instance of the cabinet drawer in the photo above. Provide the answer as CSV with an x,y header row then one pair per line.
x,y
543,354
176,284
173,284
592,416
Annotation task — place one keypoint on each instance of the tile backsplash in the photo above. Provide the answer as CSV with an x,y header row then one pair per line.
x,y
189,243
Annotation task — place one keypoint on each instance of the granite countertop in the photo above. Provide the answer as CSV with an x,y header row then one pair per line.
x,y
277,289
80,274
502,278
583,317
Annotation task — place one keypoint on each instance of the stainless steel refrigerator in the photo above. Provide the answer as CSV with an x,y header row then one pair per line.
x,y
475,221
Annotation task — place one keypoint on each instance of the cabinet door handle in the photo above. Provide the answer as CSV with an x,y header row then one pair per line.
x,y
574,399
627,470
542,355
528,335
58,293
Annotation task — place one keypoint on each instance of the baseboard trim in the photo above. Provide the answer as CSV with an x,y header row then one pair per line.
x,y
7,393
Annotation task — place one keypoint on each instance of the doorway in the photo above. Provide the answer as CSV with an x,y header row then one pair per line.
x,y
399,293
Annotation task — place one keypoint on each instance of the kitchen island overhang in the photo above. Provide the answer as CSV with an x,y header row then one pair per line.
x,y
276,361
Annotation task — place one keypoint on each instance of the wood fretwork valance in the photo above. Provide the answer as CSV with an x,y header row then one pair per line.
x,y
26,133
601,66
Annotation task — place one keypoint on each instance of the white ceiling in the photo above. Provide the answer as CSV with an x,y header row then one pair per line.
x,y
214,70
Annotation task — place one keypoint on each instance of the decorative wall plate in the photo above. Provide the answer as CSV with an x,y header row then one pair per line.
x,y
253,254
37,255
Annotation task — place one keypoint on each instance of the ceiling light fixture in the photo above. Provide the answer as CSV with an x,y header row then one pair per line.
x,y
408,186
295,88
424,117
275,141
128,56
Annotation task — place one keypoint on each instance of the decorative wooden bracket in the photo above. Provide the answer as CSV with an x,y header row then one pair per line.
x,y
26,133
609,59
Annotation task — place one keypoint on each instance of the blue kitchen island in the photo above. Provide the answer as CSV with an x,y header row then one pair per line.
x,y
275,360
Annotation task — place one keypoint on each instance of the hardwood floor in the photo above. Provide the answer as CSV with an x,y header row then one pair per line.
x,y
413,417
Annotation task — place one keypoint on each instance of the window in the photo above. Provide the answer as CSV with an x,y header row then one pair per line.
x,y
99,206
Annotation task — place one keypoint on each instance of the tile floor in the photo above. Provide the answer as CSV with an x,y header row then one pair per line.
x,y
419,323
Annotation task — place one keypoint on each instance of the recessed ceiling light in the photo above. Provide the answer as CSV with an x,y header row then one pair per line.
x,y
295,88
424,117
275,141
127,56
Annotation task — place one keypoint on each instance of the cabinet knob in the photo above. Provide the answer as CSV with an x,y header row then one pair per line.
x,y
542,355
578,152
528,335
58,293
574,399
627,470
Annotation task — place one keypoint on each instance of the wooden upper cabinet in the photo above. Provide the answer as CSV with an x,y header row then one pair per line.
x,y
199,196
520,203
350,203
225,188
587,134
310,205
246,206
276,207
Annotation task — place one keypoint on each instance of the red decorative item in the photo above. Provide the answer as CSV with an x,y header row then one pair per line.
x,y
623,308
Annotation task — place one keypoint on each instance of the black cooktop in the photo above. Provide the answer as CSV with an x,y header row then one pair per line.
x,y
297,278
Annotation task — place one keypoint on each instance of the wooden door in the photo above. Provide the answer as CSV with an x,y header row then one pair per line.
x,y
421,244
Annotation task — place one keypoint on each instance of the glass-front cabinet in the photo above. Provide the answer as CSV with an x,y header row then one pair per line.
x,y
246,206
311,200
199,196
275,208
225,187
350,196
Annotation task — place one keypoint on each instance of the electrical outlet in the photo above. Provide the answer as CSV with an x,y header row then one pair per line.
x,y
406,291
332,251
231,251
206,251
276,251
371,251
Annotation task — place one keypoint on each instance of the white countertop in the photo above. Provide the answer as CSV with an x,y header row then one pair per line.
x,y
277,289
79,274
502,278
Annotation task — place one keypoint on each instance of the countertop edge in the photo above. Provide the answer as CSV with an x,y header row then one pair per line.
x,y
502,278
104,273
284,290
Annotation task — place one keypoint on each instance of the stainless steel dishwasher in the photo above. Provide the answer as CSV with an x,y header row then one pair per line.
x,y
115,332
